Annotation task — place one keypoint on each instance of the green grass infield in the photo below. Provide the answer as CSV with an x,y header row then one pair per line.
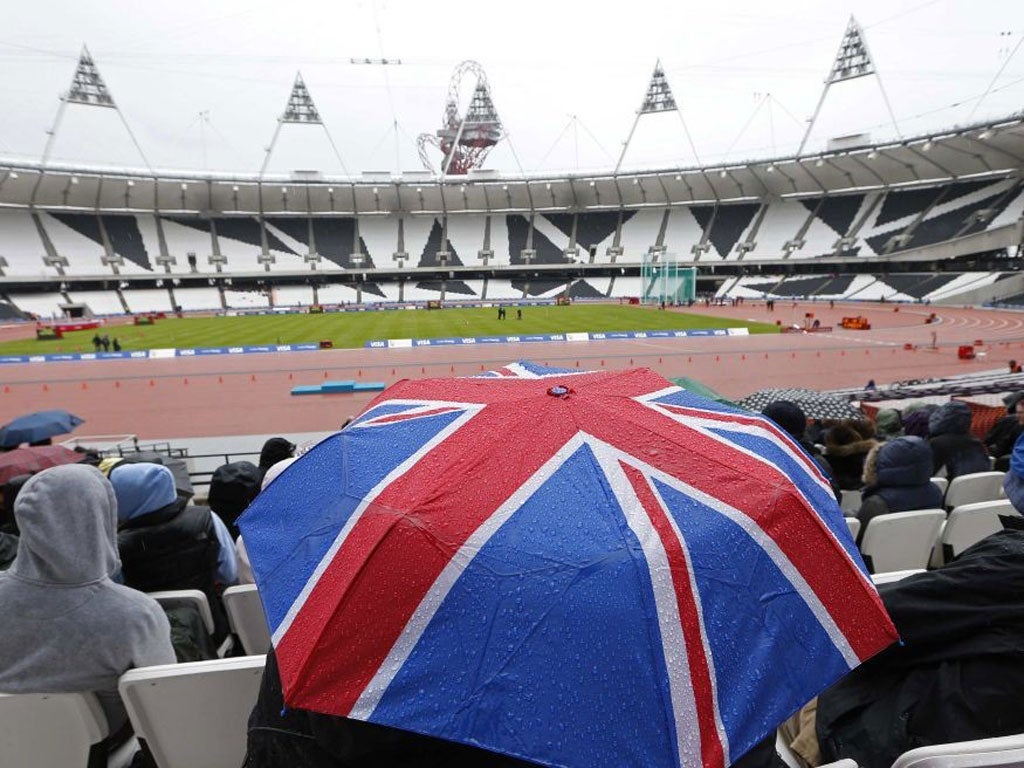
x,y
354,329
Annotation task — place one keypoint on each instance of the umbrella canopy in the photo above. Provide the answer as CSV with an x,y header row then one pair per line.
x,y
815,405
692,385
37,426
31,459
573,568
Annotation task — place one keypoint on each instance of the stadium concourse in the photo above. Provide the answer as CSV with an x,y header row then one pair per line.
x,y
250,394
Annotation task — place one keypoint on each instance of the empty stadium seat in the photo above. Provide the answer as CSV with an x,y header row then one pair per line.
x,y
1002,752
245,614
854,525
901,540
941,483
52,729
978,486
970,523
851,502
193,714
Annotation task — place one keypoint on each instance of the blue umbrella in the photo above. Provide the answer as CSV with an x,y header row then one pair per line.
x,y
575,568
33,427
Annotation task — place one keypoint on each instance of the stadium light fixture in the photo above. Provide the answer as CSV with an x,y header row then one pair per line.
x,y
234,188
376,191
872,154
184,186
986,134
593,183
74,179
130,183
723,173
635,182
819,162
927,145
770,168
13,175
679,177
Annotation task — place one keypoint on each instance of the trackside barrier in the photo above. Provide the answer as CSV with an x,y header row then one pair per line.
x,y
530,338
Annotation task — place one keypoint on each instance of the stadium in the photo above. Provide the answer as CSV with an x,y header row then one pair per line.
x,y
878,266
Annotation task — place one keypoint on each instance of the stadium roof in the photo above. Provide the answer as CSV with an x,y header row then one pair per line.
x,y
968,152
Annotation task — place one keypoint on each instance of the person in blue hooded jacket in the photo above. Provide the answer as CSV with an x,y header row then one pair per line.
x,y
166,543
897,478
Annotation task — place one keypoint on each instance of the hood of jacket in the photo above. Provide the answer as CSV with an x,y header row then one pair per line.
x,y
901,462
141,489
888,424
68,521
952,418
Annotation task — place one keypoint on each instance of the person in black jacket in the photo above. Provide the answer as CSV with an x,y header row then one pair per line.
x,y
959,672
953,448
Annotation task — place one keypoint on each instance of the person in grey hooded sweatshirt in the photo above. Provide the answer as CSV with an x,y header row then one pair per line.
x,y
67,626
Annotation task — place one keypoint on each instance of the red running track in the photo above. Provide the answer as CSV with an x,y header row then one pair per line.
x,y
250,394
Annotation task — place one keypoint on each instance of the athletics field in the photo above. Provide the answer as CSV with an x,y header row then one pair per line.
x,y
354,329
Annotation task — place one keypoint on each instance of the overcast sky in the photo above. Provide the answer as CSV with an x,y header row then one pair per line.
x,y
201,83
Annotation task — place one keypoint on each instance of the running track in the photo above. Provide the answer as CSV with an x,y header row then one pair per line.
x,y
249,394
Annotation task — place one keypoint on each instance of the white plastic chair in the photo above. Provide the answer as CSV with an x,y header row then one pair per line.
x,y
245,614
854,525
1001,752
52,729
901,540
193,714
851,502
941,483
970,523
975,487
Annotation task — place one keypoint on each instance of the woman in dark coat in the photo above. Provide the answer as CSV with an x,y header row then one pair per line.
x,y
847,445
897,478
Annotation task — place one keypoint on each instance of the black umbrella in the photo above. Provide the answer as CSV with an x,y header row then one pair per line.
x,y
815,405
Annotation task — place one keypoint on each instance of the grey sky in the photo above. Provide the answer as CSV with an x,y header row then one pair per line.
x,y
165,63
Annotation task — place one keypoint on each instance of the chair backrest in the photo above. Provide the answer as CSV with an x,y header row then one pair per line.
x,y
970,523
891,576
978,486
195,597
1001,752
245,614
854,525
901,540
941,483
56,729
851,502
194,714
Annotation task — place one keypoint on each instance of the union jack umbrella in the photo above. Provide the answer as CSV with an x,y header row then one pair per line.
x,y
575,568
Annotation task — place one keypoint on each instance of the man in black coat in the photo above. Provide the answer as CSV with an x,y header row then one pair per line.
x,y
959,672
